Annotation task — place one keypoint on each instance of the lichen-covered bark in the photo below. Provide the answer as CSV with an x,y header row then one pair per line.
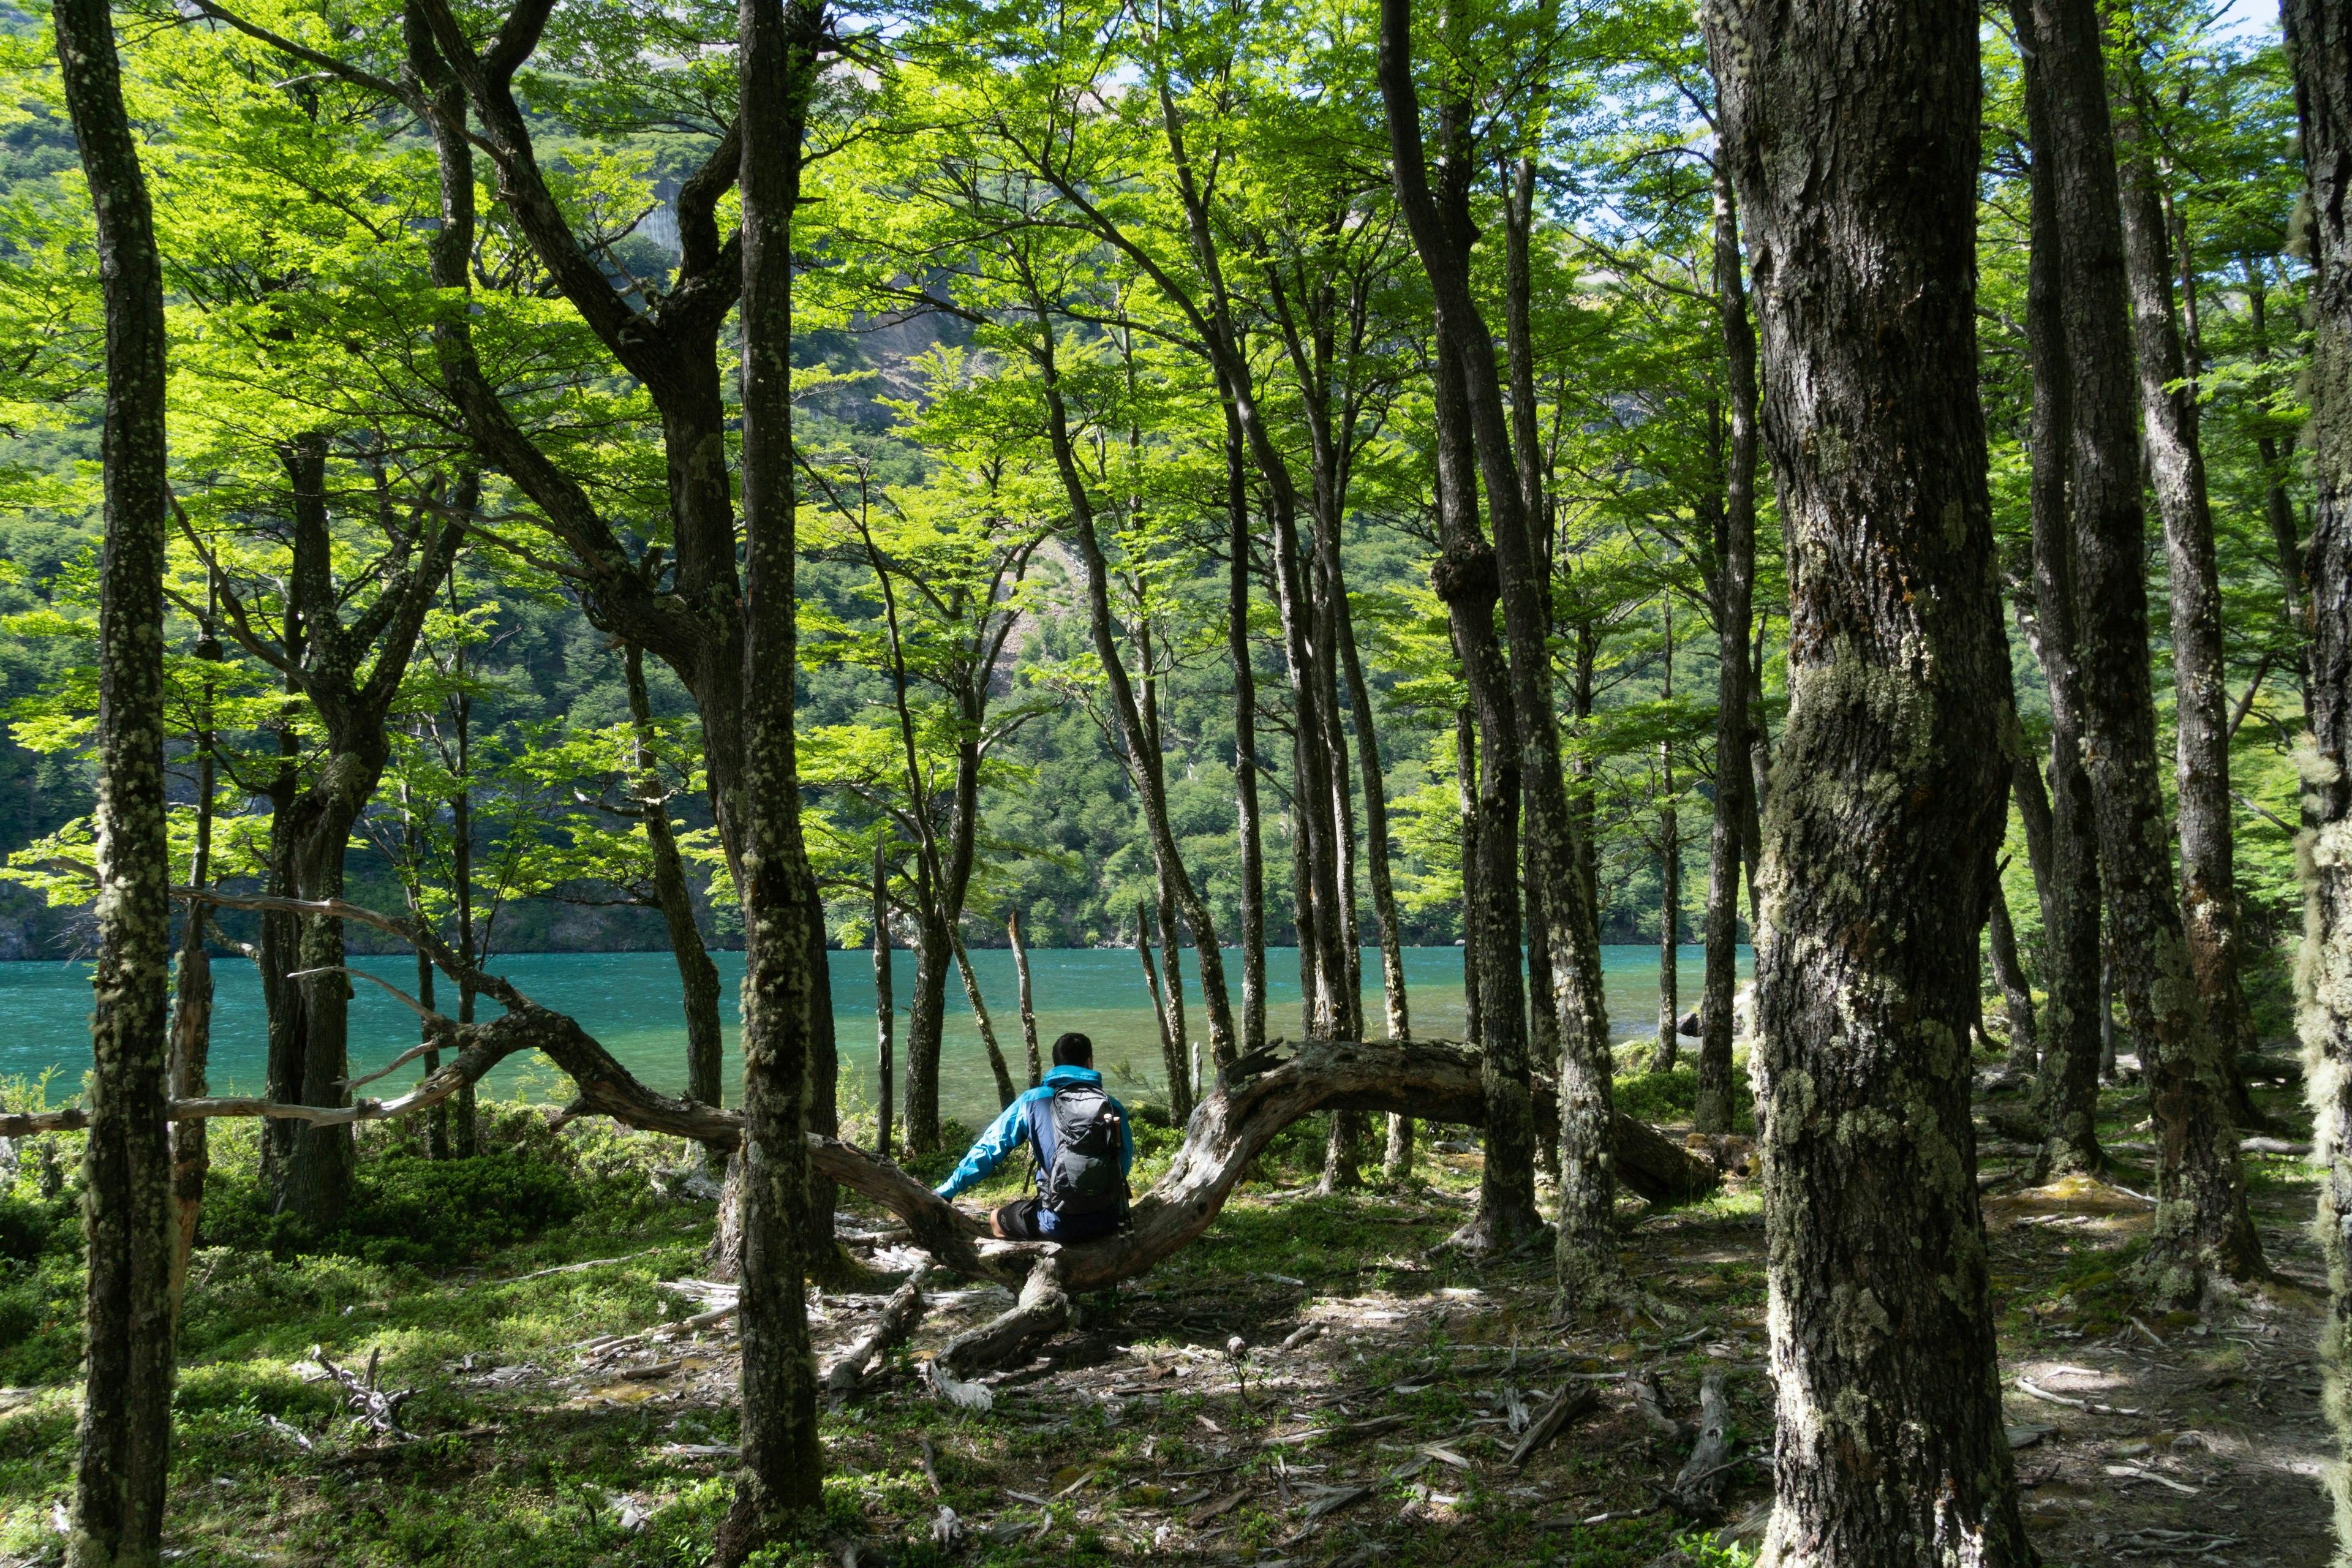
x,y
2200,1220
1853,135
2319,42
2175,461
2061,834
787,1015
1735,554
123,1456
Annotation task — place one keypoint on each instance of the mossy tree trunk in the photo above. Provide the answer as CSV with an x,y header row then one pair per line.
x,y
1853,136
122,1458
2319,43
2201,1223
787,1012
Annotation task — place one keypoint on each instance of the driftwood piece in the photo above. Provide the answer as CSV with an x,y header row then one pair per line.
x,y
1042,1311
1573,1401
904,1310
1700,1480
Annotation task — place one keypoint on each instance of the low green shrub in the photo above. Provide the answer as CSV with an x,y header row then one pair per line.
x,y
406,1209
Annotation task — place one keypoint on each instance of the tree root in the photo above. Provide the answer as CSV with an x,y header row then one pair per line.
x,y
1042,1311
901,1314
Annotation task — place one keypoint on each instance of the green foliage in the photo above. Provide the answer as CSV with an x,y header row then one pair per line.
x,y
406,1210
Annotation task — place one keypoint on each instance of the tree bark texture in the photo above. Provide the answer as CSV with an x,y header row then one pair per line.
x,y
2319,43
2016,995
2061,818
122,1448
1853,135
2201,1223
2176,460
1585,1255
1245,806
787,1013
1735,554
886,1006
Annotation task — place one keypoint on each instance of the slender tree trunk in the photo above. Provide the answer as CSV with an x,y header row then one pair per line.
x,y
1151,792
1169,1055
787,1014
2319,43
1735,554
987,1027
466,1134
1670,885
1466,779
1028,1004
437,1121
2175,457
886,1006
696,973
2066,875
2278,458
1252,866
1585,1255
1891,1449
192,1009
123,1447
1182,1089
2200,1220
2016,996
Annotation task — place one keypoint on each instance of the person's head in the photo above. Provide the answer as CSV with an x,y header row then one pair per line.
x,y
1074,1050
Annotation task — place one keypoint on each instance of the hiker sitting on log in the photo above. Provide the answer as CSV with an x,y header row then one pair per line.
x,y
1083,1146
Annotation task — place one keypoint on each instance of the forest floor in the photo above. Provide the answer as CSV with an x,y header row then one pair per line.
x,y
1381,1438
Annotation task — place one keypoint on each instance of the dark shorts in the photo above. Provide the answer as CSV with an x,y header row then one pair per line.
x,y
1020,1221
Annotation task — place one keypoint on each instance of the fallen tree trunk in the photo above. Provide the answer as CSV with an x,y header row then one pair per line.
x,y
1254,1097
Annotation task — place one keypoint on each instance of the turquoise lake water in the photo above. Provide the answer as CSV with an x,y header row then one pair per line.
x,y
629,1001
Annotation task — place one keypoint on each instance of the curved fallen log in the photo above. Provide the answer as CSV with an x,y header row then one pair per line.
x,y
1254,1099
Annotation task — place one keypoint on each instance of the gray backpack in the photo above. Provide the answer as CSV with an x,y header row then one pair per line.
x,y
1081,1126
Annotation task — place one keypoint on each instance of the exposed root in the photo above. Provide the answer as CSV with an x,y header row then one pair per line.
x,y
1042,1311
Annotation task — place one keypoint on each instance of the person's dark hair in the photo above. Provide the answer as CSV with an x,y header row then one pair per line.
x,y
1074,1050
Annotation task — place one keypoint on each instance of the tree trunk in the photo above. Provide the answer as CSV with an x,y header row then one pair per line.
x,y
124,1443
787,1014
2200,1220
1028,1004
925,1021
1892,779
191,1009
466,1134
1585,1252
1151,792
1181,1088
1670,886
1465,782
1735,554
2278,458
1245,807
696,973
886,1006
2319,43
2176,458
987,1027
2016,996
1170,1053
2066,869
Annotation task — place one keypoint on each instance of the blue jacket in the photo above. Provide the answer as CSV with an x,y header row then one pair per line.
x,y
1013,1127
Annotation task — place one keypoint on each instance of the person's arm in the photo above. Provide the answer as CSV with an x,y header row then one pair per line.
x,y
1003,1135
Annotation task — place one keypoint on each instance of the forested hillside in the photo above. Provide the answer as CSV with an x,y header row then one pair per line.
x,y
1266,487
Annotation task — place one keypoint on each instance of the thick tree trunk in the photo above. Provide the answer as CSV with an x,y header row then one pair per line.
x,y
2060,819
122,1457
925,1021
696,973
1853,135
1028,1002
2319,43
787,1014
1735,554
886,1004
2200,1220
2176,459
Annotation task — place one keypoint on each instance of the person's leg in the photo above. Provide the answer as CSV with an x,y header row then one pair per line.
x,y
1017,1221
